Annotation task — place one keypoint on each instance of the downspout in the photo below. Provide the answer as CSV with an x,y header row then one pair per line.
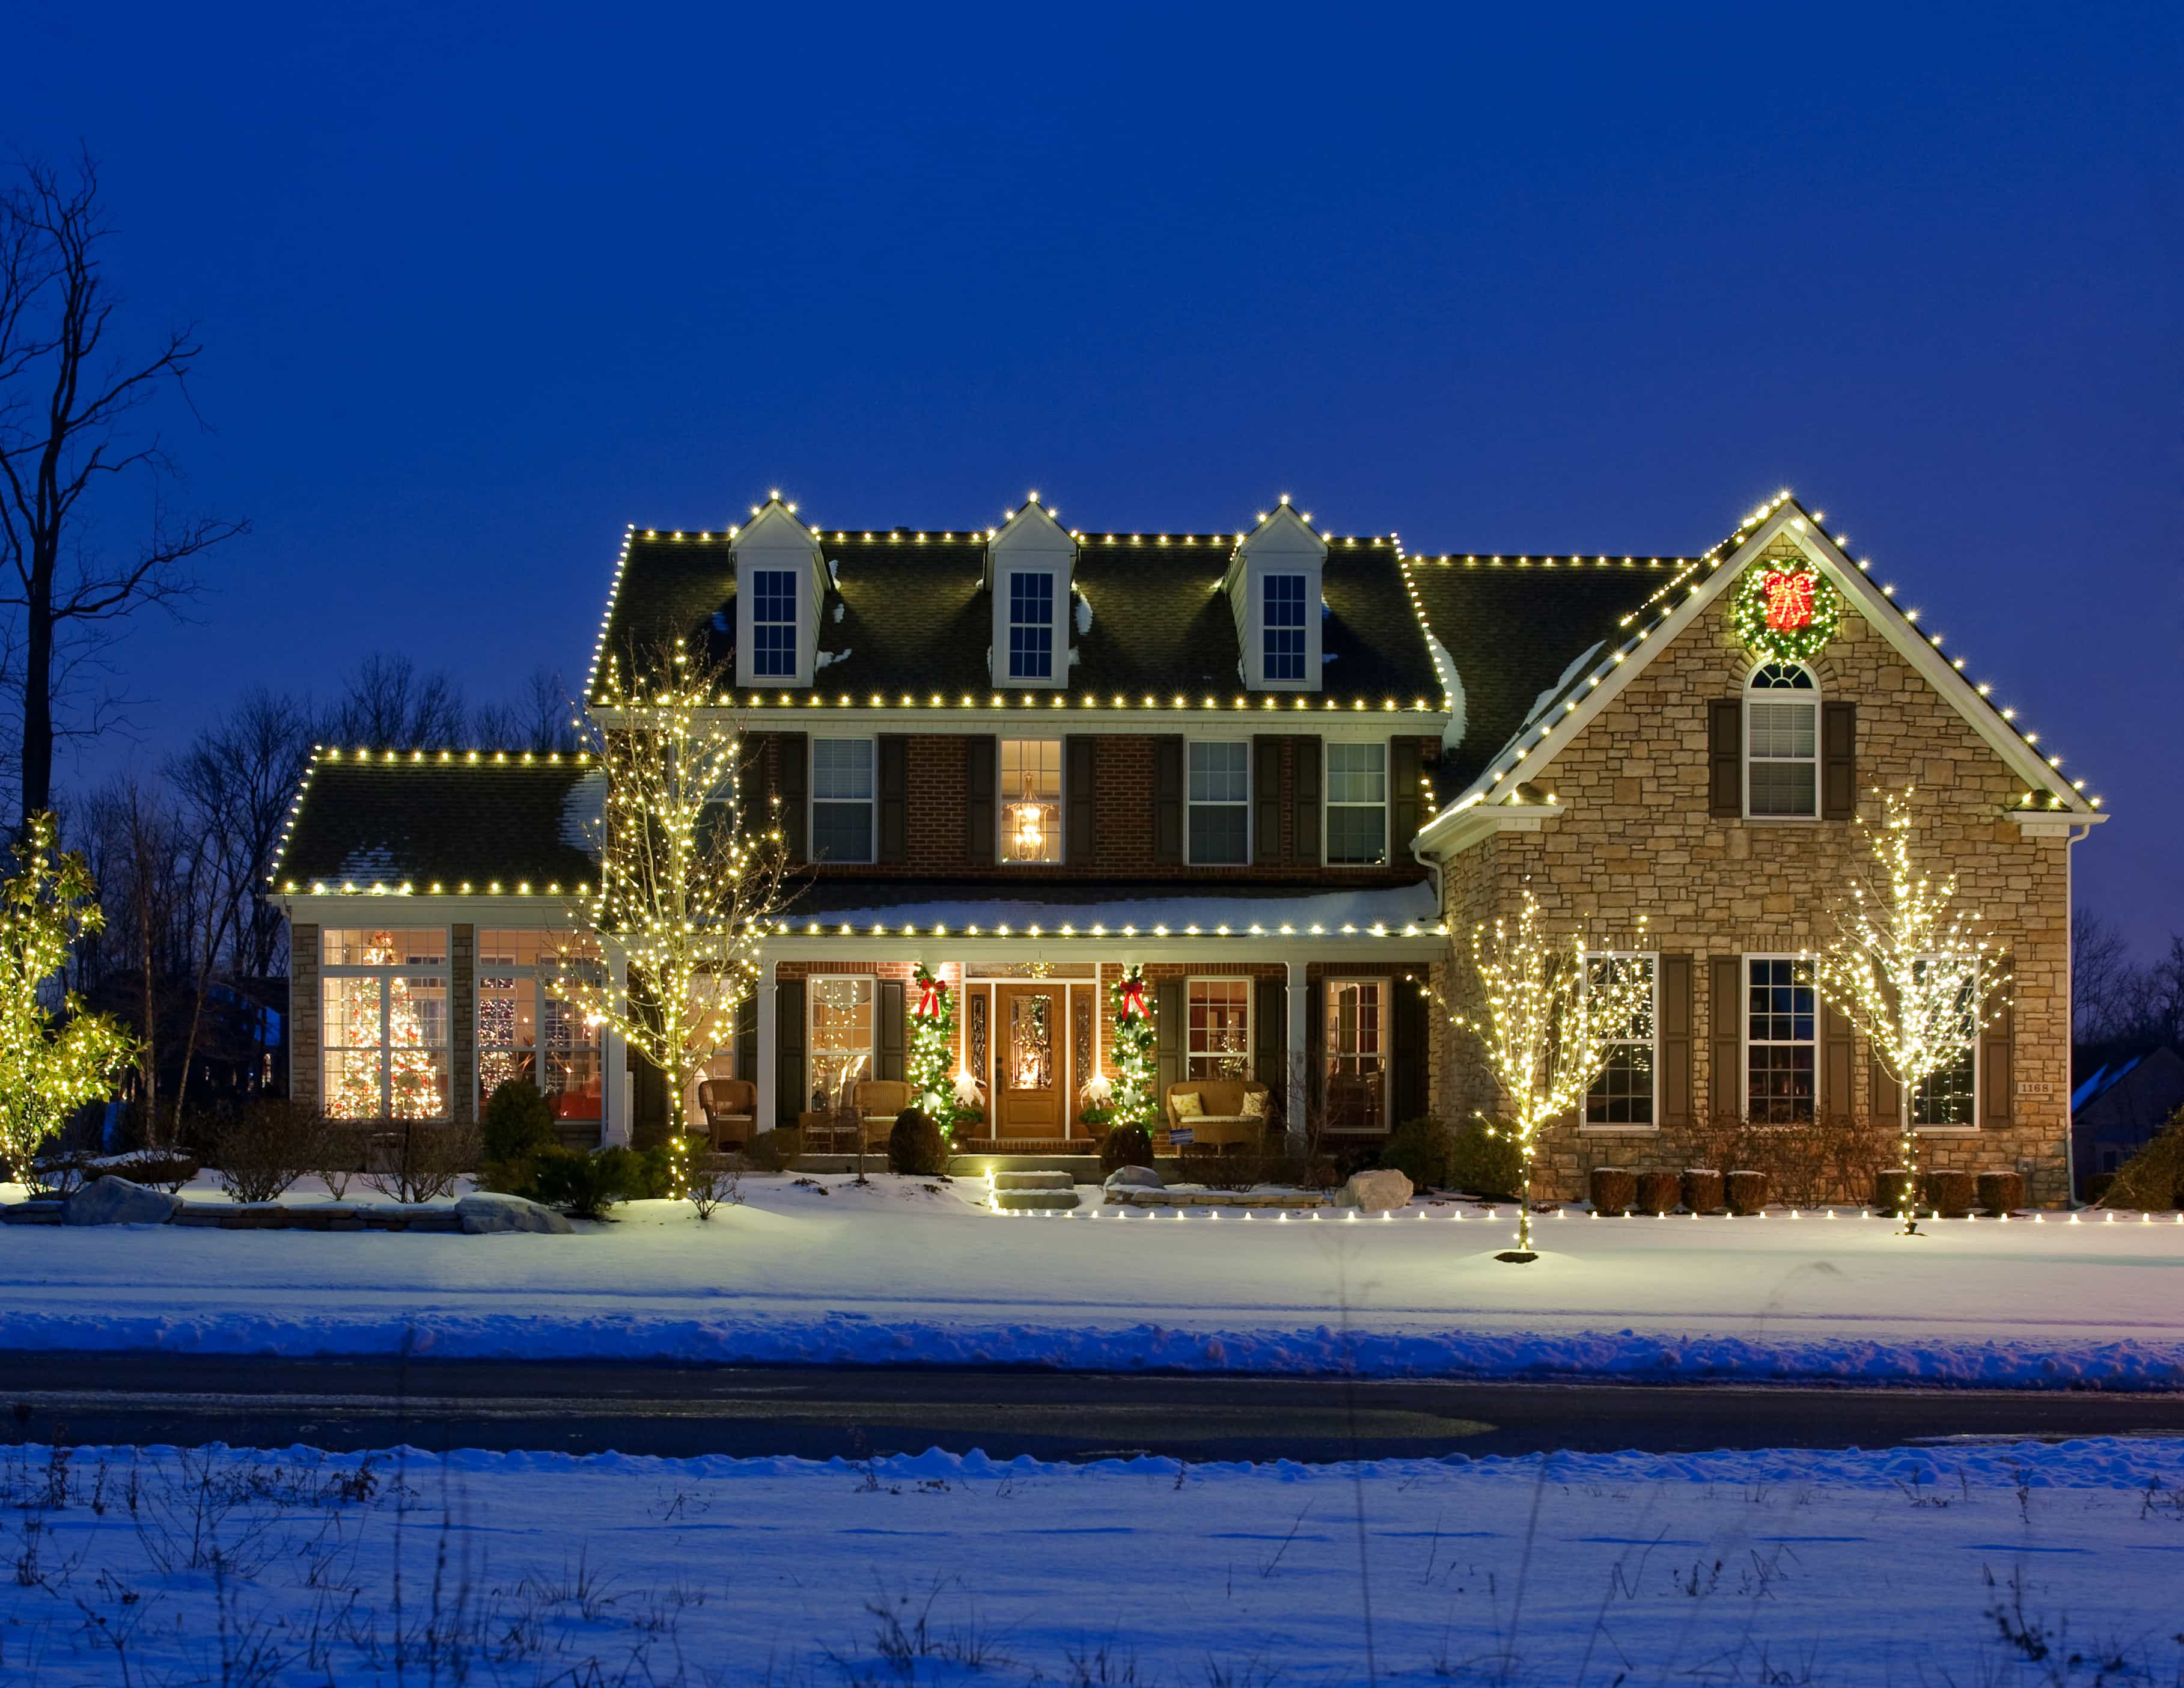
x,y
2070,1012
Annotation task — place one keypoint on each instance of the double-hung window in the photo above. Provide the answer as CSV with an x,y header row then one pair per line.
x,y
1356,803
1949,1095
1281,626
841,800
1782,743
1220,1029
1782,1036
773,622
841,1036
1624,1094
1221,801
383,999
1031,800
1031,625
524,1029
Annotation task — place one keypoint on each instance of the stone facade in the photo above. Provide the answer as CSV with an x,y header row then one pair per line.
x,y
1631,835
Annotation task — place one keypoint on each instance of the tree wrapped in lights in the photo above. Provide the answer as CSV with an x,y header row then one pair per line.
x,y
1552,1013
51,1060
690,883
1909,969
1136,1101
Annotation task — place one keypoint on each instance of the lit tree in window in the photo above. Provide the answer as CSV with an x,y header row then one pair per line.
x,y
1910,968
690,885
412,1061
1550,1013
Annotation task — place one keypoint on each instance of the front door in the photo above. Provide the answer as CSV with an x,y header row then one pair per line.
x,y
1031,1061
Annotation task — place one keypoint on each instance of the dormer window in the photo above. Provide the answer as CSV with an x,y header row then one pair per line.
x,y
1031,625
1282,633
773,623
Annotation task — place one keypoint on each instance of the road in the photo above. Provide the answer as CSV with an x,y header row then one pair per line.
x,y
589,1407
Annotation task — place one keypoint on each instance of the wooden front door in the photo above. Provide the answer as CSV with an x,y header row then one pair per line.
x,y
1031,1060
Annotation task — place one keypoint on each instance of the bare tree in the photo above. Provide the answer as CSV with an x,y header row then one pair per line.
x,y
543,718
387,705
2103,978
68,393
240,775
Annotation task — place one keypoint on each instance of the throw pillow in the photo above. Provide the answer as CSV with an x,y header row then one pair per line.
x,y
1186,1103
1254,1104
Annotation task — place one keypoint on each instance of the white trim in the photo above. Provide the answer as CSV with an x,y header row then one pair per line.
x,y
1652,960
1250,804
1250,982
1386,1051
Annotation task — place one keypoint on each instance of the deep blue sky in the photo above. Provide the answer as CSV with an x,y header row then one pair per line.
x,y
479,285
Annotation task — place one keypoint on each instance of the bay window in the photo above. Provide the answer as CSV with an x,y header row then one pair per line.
x,y
527,1030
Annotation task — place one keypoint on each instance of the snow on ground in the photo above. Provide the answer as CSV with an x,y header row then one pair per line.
x,y
911,1270
1997,1564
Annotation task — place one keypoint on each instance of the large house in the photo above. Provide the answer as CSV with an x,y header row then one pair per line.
x,y
1284,772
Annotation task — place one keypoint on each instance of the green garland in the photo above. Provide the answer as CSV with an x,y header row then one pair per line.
x,y
1806,610
931,1064
1137,1099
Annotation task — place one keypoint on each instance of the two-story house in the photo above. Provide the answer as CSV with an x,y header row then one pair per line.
x,y
1277,768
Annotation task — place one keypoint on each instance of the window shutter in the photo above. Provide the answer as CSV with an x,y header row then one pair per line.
x,y
1079,783
1266,799
747,1039
894,792
1270,1032
1997,1058
1725,757
1838,762
1726,1082
788,1093
1406,1051
1403,805
1674,988
753,772
1168,1008
792,773
887,1058
981,755
1837,1089
1304,814
1883,1095
1315,1055
1167,799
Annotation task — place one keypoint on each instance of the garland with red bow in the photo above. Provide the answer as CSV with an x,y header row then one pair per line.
x,y
931,1064
1137,1101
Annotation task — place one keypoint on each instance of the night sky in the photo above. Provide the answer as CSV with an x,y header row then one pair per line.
x,y
478,285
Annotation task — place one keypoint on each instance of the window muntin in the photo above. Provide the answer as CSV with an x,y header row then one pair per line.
x,y
1949,1096
1782,743
1221,801
1781,1038
773,622
1031,800
1220,1030
524,1029
1356,803
841,800
1355,1054
383,1003
1623,1093
1031,625
1281,626
841,1052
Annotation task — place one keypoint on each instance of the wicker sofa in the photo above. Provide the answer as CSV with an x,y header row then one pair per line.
x,y
1221,1122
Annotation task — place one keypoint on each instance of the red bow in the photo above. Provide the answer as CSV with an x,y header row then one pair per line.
x,y
1789,593
928,999
1134,1000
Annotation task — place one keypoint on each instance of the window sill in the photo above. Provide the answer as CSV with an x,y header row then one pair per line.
x,y
1782,820
1945,1130
1618,1131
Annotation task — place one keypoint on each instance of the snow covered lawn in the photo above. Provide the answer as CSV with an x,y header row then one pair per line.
x,y
907,1269
2001,1564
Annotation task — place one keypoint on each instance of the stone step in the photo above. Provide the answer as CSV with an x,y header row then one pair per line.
x,y
1029,1201
1034,1181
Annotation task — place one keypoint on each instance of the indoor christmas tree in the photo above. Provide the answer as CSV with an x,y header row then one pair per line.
x,y
1136,1094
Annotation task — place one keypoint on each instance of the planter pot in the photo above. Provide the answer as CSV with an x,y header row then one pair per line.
x,y
2001,1193
1951,1194
1748,1193
1891,1190
1659,1192
1613,1189
1705,1191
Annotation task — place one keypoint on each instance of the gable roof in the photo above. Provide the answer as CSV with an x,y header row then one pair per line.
x,y
440,820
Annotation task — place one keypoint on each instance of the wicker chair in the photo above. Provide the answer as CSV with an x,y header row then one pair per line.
x,y
731,1109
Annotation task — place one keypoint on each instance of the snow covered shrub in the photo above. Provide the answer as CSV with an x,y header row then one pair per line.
x,y
1705,1190
1421,1151
583,1186
2152,1180
1748,1193
1949,1194
1614,1190
264,1149
414,1161
2001,1193
1659,1192
1126,1146
1484,1160
775,1151
914,1146
1893,1188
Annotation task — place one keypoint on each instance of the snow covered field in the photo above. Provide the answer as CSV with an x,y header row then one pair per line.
x,y
906,1270
1993,1565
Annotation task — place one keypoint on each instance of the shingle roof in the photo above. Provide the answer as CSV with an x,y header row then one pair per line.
x,y
398,821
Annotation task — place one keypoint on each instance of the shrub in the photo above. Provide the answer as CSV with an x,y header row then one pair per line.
x,y
649,1175
416,1161
1748,1193
1423,1150
1659,1192
1126,1146
775,1151
1484,1160
1613,1189
583,1186
1236,1170
2152,1179
1893,1188
1705,1191
1949,1194
2001,1193
518,1122
336,1154
265,1149
914,1145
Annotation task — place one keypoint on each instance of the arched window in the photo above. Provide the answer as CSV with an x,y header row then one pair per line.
x,y
1782,742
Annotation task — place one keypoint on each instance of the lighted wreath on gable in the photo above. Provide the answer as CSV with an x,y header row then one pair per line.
x,y
1787,610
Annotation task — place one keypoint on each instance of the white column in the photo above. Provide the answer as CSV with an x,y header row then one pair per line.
x,y
769,1061
1300,1004
616,1105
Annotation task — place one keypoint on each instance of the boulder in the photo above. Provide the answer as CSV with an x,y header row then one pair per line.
x,y
1379,1191
116,1201
485,1212
1135,1178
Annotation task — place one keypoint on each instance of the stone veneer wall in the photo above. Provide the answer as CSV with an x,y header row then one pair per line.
x,y
1634,837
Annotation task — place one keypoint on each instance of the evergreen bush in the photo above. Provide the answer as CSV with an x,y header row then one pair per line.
x,y
1422,1151
1126,1146
775,1151
516,1126
2152,1180
914,1146
583,1186
1484,1160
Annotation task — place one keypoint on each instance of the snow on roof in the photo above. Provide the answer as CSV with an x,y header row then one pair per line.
x,y
1393,907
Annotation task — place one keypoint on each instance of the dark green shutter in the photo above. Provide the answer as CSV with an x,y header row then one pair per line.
x,y
1266,799
1674,987
1838,1091
1315,1053
1406,1052
754,772
1997,1058
1726,1082
1405,804
1883,1095
894,790
1167,800
1304,812
747,1039
1838,761
1169,1007
890,1057
1270,1039
790,1098
1080,781
792,770
1725,757
979,772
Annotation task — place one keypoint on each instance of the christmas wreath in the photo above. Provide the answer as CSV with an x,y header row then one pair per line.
x,y
1786,610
